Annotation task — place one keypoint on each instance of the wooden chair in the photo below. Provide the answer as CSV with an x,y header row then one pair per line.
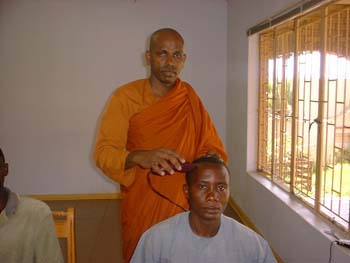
x,y
64,223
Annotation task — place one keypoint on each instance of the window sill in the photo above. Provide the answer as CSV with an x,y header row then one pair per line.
x,y
311,218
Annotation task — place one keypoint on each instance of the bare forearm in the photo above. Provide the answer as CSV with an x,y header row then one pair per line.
x,y
133,159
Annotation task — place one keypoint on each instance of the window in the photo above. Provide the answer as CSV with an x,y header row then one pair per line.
x,y
304,109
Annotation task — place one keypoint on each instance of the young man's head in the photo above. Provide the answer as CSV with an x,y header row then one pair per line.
x,y
166,56
207,187
3,169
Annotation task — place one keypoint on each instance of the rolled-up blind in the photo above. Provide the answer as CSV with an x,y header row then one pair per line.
x,y
298,9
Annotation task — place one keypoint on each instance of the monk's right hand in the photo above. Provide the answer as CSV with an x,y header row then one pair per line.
x,y
161,161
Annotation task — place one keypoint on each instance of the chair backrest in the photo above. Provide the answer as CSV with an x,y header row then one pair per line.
x,y
64,223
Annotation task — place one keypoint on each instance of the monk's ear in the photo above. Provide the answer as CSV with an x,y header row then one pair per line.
x,y
148,57
185,189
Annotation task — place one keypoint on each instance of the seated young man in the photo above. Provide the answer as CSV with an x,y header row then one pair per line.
x,y
27,232
203,234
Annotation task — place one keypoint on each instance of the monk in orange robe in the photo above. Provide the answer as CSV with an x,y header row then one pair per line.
x,y
148,129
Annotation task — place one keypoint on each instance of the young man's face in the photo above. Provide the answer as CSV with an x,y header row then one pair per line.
x,y
208,191
166,58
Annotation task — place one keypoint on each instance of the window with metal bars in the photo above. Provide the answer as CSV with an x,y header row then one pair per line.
x,y
304,109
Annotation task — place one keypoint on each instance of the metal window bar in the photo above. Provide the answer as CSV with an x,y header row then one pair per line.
x,y
307,85
265,98
335,200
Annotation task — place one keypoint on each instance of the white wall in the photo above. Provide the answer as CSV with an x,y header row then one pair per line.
x,y
295,232
61,60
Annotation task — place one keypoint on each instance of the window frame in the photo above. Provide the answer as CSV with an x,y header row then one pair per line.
x,y
324,11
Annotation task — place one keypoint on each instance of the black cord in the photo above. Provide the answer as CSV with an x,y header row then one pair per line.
x,y
161,195
330,251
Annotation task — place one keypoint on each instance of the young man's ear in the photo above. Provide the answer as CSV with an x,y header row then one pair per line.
x,y
185,189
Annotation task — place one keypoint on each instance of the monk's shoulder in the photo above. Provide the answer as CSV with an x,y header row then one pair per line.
x,y
191,91
131,89
187,85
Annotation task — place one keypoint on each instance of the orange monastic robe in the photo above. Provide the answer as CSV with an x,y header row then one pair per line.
x,y
135,120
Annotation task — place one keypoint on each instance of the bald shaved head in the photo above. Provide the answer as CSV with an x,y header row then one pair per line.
x,y
164,31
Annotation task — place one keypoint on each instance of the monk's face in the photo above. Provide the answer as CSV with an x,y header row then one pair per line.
x,y
166,58
208,191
